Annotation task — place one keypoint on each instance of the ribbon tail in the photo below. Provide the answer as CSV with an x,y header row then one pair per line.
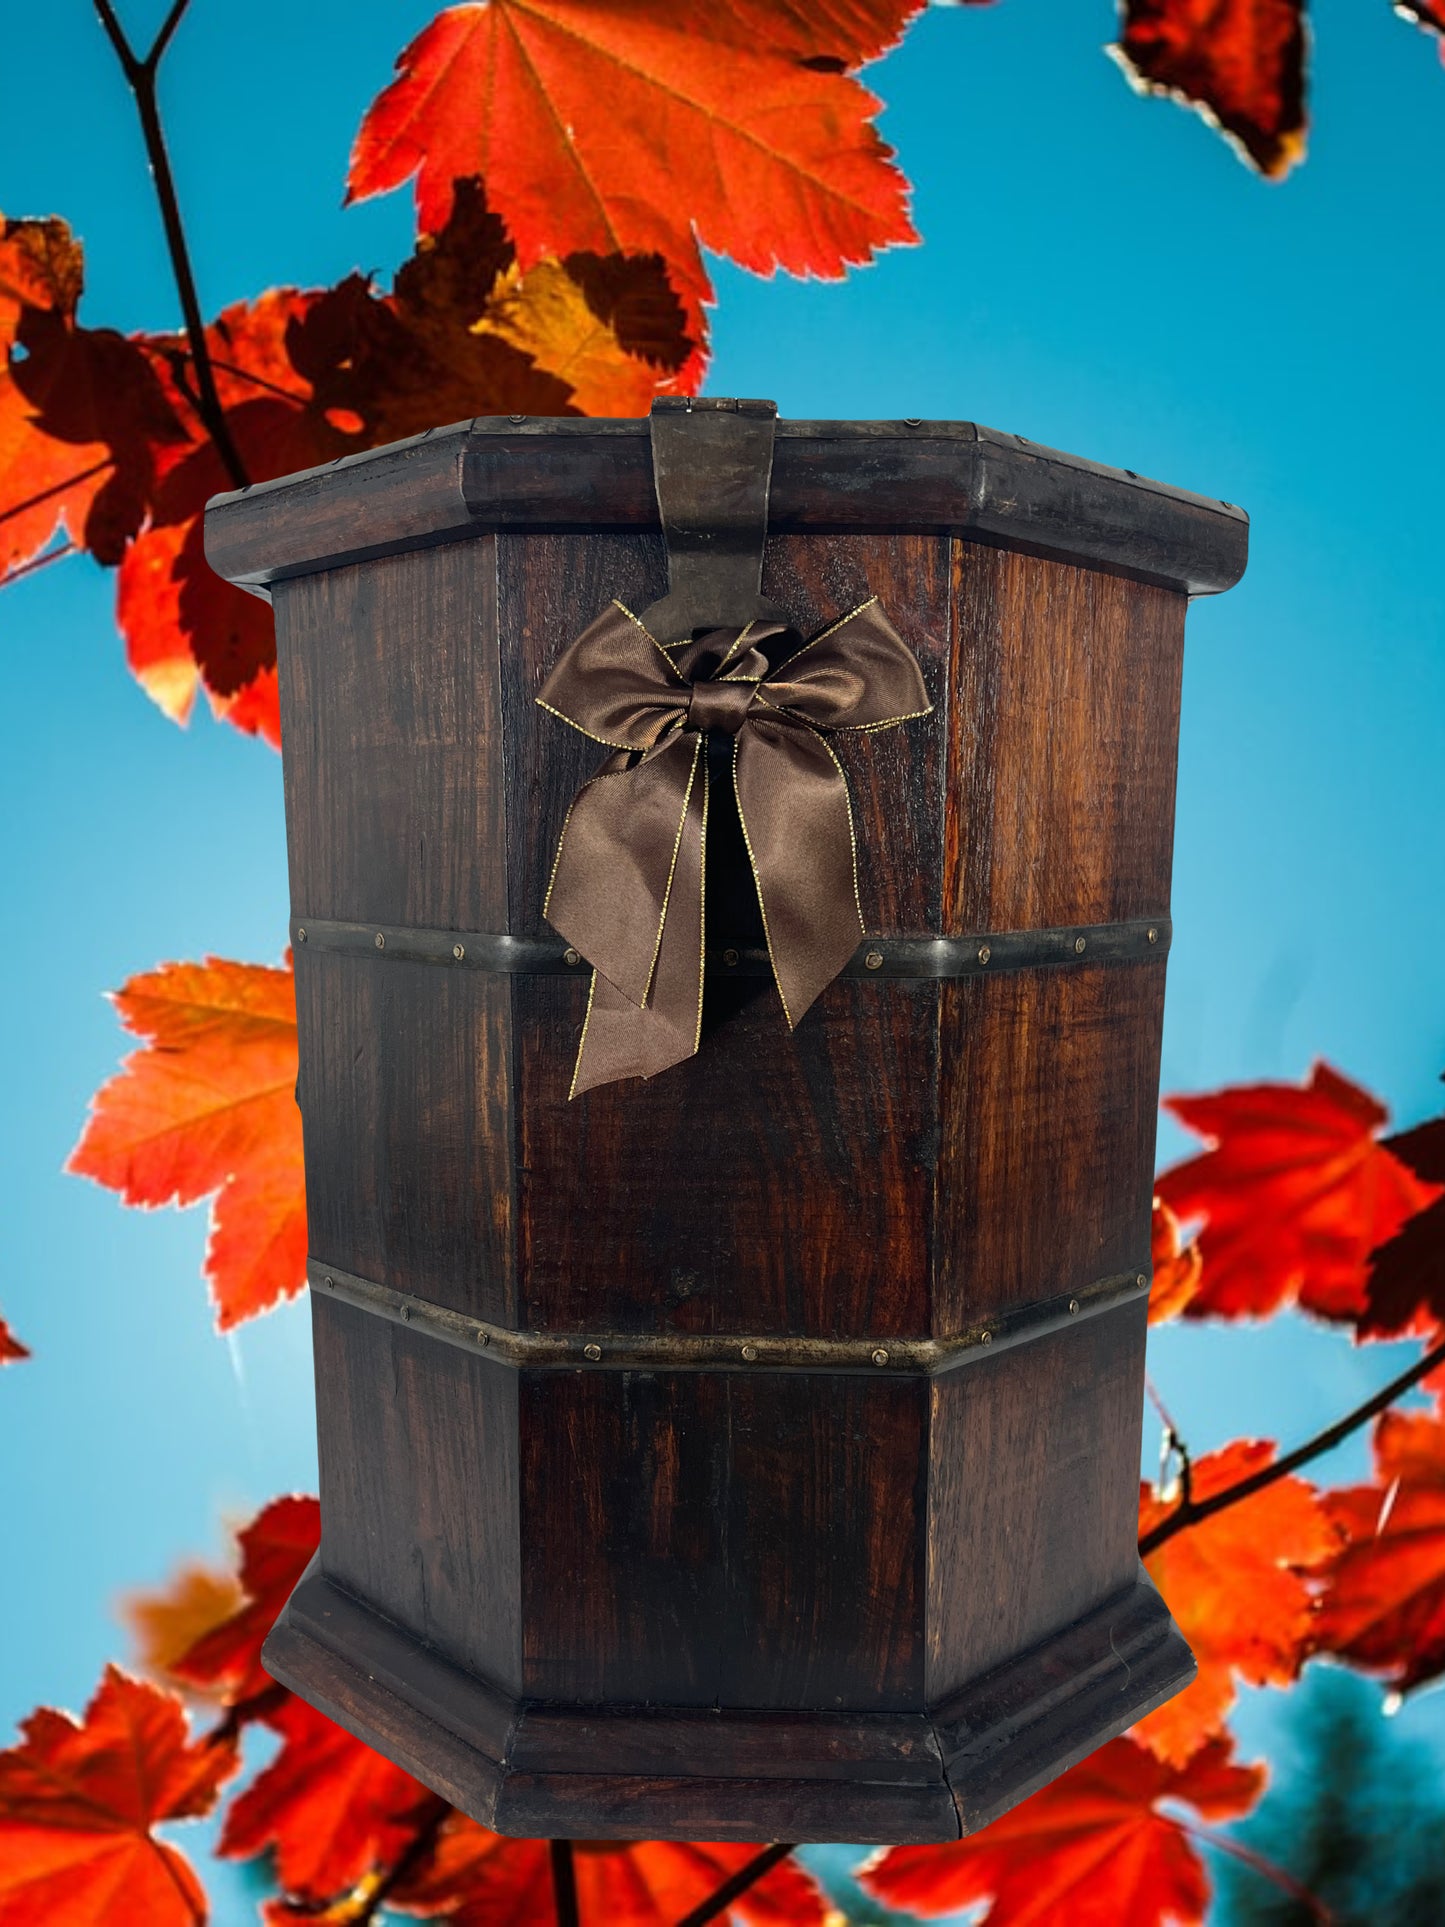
x,y
622,1038
798,827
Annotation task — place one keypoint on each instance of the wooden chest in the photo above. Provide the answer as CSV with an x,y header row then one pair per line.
x,y
751,1452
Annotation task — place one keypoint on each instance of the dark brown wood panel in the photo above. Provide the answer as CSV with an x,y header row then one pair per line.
x,y
406,1105
804,1203
419,1489
1065,723
392,740
549,588
896,778
703,1539
1033,1492
1050,1087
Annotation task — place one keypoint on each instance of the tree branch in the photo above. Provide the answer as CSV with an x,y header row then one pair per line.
x,y
1191,1511
564,1882
141,78
410,1857
746,1876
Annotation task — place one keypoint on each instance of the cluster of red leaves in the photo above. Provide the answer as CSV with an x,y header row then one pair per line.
x,y
346,1828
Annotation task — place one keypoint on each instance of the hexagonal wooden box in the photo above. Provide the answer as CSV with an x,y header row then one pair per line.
x,y
830,1533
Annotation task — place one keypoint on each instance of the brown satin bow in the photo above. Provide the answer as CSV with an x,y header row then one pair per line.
x,y
627,882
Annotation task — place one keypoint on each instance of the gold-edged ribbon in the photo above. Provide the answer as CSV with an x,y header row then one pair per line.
x,y
627,885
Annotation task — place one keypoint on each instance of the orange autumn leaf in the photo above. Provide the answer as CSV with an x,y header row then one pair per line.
x,y
1178,1266
79,1802
1295,1194
1233,1584
1383,1602
1094,1849
165,1625
275,1548
475,1878
207,1109
10,1346
1241,63
327,1807
648,129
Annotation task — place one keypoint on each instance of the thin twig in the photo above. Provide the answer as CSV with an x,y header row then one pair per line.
x,y
141,76
39,562
406,1862
564,1882
1191,1511
1267,1869
746,1876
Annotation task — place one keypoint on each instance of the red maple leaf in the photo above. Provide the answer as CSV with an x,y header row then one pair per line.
x,y
648,128
1233,1583
1383,1602
479,1879
329,1807
1406,1287
207,1108
1295,1195
10,1346
275,1549
78,1802
1241,63
1093,1849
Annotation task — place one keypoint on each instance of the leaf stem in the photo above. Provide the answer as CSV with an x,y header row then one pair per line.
x,y
1191,1511
141,77
750,1872
564,1882
410,1857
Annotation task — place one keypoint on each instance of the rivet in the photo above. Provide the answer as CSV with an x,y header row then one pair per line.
x,y
570,957
984,953
880,1357
913,421
730,958
985,1338
330,1284
380,941
1078,946
518,418
1142,1280
874,960
593,1352
459,950
484,1337
300,935
406,1313
1073,1306
1153,934
750,1352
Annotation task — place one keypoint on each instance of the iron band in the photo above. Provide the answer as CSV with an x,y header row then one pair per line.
x,y
673,1352
927,959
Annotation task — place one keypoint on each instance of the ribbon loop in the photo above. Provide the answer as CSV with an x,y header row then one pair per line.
x,y
627,886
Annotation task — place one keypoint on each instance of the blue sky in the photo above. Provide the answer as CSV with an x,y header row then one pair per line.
x,y
1099,273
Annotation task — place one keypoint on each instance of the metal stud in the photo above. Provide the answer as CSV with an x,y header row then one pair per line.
x,y
484,1337
874,960
300,934
1142,1280
1078,946
459,950
985,1338
730,958
880,1357
380,941
570,957
1073,1307
984,953
517,418
1153,934
750,1352
592,1352
330,1284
